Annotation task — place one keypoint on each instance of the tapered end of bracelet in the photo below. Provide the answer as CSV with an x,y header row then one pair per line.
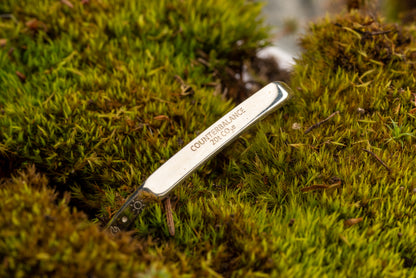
x,y
125,217
282,87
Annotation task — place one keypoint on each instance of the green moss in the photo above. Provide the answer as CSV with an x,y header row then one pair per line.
x,y
99,76
42,237
96,107
403,10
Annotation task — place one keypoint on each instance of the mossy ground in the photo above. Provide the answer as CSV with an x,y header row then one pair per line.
x,y
88,95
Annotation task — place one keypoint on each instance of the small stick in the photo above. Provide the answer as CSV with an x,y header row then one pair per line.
x,y
352,221
379,32
321,122
314,187
378,159
320,186
169,216
67,3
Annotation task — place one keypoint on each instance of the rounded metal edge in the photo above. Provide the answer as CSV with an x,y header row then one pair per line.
x,y
285,88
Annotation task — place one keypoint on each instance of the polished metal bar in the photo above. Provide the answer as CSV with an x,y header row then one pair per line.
x,y
198,151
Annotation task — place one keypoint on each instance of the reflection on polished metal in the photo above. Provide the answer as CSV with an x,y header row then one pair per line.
x,y
199,150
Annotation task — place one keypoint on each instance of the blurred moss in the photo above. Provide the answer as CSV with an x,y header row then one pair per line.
x,y
41,236
403,10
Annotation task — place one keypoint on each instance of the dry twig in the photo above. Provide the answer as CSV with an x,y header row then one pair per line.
x,y
378,159
321,186
352,221
321,122
169,216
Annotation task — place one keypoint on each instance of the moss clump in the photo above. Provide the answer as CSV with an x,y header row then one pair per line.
x,y
89,92
89,95
365,69
41,236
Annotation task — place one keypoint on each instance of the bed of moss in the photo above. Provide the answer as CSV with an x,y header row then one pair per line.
x,y
95,95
